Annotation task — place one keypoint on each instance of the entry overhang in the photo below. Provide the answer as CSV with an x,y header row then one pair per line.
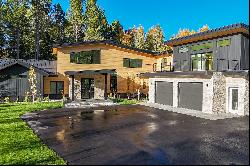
x,y
91,72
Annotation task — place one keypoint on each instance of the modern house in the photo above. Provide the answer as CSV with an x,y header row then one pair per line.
x,y
211,72
95,69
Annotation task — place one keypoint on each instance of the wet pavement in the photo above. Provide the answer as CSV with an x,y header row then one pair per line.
x,y
140,135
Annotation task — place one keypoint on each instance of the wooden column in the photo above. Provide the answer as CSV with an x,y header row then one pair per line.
x,y
73,88
106,87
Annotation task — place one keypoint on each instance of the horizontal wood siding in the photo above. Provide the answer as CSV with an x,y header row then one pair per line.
x,y
60,77
111,58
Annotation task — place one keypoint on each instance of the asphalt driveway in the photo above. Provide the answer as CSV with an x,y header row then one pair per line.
x,y
141,135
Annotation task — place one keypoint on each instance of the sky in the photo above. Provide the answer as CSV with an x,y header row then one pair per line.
x,y
173,14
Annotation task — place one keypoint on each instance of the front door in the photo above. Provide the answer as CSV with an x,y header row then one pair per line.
x,y
88,88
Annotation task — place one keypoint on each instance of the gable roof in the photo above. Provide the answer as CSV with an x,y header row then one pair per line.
x,y
39,65
115,45
214,33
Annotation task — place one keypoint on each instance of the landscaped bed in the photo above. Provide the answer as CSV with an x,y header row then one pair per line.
x,y
18,143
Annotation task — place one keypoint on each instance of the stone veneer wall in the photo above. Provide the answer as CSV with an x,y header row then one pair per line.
x,y
246,100
219,91
99,87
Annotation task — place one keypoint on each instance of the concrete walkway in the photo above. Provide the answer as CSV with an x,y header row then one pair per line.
x,y
190,112
89,103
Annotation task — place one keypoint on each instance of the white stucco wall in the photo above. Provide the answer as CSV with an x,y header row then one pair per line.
x,y
215,92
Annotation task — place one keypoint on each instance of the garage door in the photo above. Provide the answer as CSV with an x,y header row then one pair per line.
x,y
164,93
191,95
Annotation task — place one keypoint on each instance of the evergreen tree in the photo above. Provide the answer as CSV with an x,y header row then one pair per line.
x,y
95,22
127,38
155,39
115,31
41,24
16,23
75,18
139,37
59,23
2,40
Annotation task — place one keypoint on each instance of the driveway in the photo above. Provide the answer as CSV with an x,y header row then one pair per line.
x,y
141,135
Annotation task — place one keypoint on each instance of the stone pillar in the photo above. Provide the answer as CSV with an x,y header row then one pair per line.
x,y
219,89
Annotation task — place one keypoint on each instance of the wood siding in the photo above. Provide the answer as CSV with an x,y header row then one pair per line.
x,y
111,58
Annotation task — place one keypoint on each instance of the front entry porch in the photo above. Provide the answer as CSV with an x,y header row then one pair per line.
x,y
89,84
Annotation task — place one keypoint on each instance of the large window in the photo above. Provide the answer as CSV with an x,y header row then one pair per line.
x,y
86,57
224,43
56,87
132,63
202,62
203,46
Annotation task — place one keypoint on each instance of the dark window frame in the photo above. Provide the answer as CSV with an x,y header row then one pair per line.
x,y
86,57
132,63
57,93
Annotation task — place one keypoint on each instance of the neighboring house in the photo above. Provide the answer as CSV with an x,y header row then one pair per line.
x,y
14,75
86,70
211,72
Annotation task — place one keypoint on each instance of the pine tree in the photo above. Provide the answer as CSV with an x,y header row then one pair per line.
x,y
115,32
75,18
41,23
155,39
127,38
2,40
95,22
59,23
139,37
16,23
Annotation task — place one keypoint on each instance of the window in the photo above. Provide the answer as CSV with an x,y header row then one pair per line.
x,y
224,43
183,49
233,99
132,63
86,57
201,62
56,87
204,46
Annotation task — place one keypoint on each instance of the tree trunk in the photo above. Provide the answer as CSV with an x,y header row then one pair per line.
x,y
18,43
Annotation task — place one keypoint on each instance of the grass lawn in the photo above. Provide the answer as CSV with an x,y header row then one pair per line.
x,y
18,144
126,101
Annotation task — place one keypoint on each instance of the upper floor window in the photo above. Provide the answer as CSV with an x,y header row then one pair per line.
x,y
223,43
203,46
202,62
86,57
132,63
183,49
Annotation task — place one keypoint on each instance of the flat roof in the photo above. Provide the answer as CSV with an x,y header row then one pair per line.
x,y
90,72
211,34
193,74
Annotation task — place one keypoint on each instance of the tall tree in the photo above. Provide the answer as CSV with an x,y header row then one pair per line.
x,y
75,17
2,40
127,38
41,23
59,23
139,37
95,22
155,39
16,23
115,32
